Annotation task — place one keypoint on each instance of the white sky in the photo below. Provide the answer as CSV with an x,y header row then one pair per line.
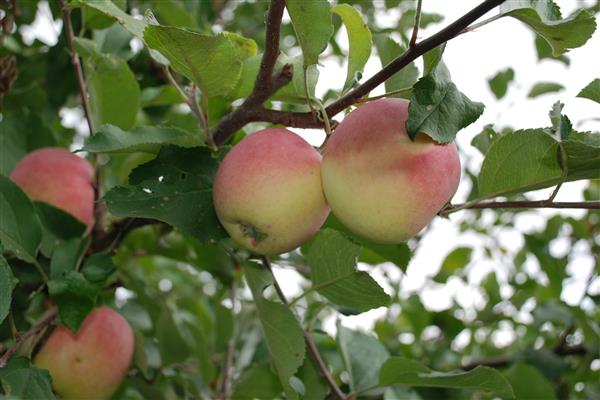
x,y
472,58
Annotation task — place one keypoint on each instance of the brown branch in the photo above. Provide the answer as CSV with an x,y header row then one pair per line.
x,y
243,115
46,319
265,85
112,239
310,344
589,205
70,34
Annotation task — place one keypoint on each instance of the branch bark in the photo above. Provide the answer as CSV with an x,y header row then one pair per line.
x,y
244,114
589,205
310,344
45,320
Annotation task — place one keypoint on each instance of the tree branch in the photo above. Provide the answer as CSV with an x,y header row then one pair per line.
x,y
45,320
111,240
76,64
265,85
589,205
310,344
244,114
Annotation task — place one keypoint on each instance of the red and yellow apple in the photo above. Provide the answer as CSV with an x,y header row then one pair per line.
x,y
58,177
380,184
268,194
92,363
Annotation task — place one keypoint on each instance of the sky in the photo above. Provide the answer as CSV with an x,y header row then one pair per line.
x,y
472,59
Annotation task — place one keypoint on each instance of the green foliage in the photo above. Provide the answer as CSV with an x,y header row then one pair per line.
x,y
208,319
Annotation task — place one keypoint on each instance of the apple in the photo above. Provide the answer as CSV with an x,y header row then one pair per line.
x,y
92,363
58,177
380,184
268,194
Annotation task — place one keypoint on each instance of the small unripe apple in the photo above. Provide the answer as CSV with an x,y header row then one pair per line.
x,y
268,194
92,363
58,177
380,184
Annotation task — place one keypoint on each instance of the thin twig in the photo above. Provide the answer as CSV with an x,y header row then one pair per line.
x,y
45,320
310,344
413,39
76,64
588,205
243,115
381,96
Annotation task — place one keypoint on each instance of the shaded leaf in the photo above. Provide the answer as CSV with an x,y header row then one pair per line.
x,y
360,40
173,348
528,383
57,227
313,26
20,230
67,256
282,332
20,379
402,371
544,51
332,259
75,297
484,139
388,50
455,261
258,382
176,188
7,284
160,96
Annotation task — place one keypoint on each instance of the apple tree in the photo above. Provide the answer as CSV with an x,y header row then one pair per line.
x,y
163,236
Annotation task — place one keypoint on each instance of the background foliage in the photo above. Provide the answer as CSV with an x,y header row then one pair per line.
x,y
207,318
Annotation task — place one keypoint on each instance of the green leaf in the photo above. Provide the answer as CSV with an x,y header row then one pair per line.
x,y
455,261
161,96
591,91
583,155
332,259
20,133
499,82
176,188
212,62
112,86
313,26
360,40
20,230
67,256
402,371
545,19
544,51
541,88
24,381
315,387
484,139
561,125
7,284
518,162
148,139
438,109
173,349
75,297
57,227
388,50
97,268
282,332
528,383
363,356
257,382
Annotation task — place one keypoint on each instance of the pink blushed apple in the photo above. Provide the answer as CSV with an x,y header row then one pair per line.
x,y
92,363
58,177
268,194
380,184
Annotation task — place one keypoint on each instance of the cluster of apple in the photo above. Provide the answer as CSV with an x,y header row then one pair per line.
x,y
273,191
